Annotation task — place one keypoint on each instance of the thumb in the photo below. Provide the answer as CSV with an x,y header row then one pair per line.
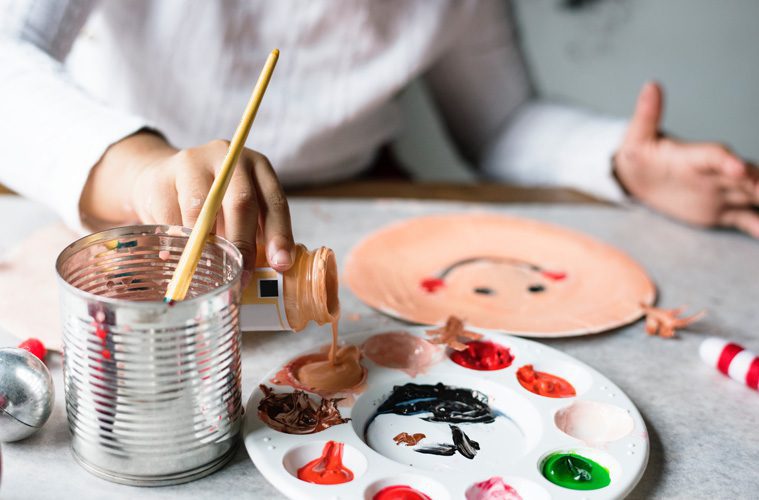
x,y
644,124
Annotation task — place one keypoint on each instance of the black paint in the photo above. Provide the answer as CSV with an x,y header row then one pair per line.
x,y
445,404
462,443
483,290
537,288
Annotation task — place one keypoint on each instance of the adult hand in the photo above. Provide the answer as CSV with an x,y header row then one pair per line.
x,y
704,184
143,178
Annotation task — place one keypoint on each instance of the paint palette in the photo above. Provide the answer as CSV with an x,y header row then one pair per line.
x,y
504,416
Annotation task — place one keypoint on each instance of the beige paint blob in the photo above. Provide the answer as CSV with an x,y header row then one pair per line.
x,y
594,423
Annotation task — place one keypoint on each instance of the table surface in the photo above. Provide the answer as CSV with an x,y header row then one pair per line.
x,y
702,426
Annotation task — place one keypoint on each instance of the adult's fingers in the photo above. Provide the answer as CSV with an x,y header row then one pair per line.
x,y
644,124
714,158
743,219
275,211
240,212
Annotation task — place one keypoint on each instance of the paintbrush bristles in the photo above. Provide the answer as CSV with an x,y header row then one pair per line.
x,y
188,262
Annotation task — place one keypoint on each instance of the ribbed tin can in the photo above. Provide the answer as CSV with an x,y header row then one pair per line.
x,y
153,391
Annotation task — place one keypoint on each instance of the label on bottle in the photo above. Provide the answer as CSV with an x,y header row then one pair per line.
x,y
263,302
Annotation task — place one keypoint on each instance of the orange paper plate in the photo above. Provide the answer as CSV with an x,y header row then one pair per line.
x,y
521,276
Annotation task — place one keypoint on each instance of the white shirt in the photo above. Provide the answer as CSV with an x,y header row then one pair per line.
x,y
187,68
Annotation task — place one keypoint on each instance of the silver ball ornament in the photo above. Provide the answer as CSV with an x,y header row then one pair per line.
x,y
26,394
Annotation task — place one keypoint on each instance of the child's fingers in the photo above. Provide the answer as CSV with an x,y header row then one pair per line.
x,y
275,211
714,158
744,219
240,213
162,204
193,185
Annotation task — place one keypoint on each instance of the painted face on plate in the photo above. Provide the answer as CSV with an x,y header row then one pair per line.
x,y
492,279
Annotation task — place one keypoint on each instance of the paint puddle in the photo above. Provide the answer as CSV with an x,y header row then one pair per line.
x,y
400,492
401,351
297,413
483,355
316,373
494,488
328,468
594,423
544,383
325,463
575,472
456,426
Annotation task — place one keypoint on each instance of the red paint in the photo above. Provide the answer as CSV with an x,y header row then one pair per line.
x,y
432,284
34,346
544,384
328,468
483,355
400,492
554,275
726,356
102,333
752,376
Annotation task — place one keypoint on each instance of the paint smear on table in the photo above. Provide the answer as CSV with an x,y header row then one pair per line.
x,y
521,276
494,488
575,472
401,351
297,413
483,355
328,468
544,383
400,492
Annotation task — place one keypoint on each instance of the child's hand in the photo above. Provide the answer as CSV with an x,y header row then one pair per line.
x,y
702,184
143,178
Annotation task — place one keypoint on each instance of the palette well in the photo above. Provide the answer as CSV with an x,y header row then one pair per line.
x,y
425,426
521,276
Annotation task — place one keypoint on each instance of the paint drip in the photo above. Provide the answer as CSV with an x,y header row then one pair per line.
x,y
544,384
443,403
401,351
408,439
328,468
575,472
494,488
483,355
400,492
297,413
316,373
462,443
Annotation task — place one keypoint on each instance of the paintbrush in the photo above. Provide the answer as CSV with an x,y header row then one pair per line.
x,y
188,262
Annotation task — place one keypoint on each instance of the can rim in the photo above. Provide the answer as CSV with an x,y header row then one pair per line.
x,y
147,229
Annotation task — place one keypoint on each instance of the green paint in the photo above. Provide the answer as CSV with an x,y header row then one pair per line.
x,y
575,472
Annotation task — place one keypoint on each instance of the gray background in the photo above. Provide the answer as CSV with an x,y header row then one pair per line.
x,y
598,56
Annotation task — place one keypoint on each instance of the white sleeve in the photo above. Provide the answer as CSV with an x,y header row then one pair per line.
x,y
482,89
51,132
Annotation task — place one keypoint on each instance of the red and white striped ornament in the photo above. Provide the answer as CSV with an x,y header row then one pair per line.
x,y
732,360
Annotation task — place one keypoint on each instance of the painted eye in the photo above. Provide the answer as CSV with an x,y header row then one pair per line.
x,y
536,288
482,290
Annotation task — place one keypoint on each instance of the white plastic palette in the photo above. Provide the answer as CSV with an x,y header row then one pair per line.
x,y
513,447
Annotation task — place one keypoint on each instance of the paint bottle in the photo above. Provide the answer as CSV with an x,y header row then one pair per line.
x,y
306,292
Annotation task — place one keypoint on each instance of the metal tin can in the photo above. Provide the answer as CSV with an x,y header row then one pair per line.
x,y
153,390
